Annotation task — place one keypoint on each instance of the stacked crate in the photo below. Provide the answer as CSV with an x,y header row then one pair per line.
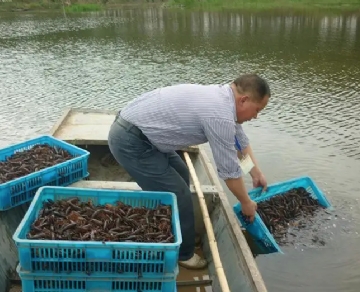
x,y
79,266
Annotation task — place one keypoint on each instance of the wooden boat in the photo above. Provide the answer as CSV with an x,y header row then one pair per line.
x,y
231,262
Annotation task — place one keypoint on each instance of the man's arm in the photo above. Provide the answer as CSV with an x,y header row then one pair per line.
x,y
220,134
257,176
237,187
248,151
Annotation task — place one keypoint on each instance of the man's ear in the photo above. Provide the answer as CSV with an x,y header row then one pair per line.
x,y
243,98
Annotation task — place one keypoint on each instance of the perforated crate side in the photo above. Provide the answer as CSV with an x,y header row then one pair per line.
x,y
282,187
258,230
31,283
262,237
99,258
23,189
100,275
145,261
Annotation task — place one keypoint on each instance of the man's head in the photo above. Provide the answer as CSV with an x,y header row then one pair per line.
x,y
252,94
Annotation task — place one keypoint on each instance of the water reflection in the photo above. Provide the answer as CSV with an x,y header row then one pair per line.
x,y
323,28
104,59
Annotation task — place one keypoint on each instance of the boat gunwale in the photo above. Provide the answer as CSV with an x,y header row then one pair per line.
x,y
250,265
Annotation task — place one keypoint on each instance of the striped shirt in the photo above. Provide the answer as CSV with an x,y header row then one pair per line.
x,y
183,115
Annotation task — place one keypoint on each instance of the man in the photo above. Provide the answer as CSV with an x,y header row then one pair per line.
x,y
148,131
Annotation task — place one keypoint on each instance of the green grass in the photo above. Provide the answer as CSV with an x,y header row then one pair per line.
x,y
86,7
250,5
343,5
28,5
50,5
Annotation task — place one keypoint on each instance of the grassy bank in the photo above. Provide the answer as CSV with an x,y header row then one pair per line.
x,y
70,6
77,6
341,5
87,7
29,5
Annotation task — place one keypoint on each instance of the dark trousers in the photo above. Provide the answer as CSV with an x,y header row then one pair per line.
x,y
155,171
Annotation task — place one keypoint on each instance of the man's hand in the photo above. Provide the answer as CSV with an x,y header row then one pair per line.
x,y
249,209
258,179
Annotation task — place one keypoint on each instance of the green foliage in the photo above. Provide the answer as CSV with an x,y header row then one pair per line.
x,y
76,6
85,7
266,4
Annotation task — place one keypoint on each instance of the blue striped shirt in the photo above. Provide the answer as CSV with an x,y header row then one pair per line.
x,y
183,115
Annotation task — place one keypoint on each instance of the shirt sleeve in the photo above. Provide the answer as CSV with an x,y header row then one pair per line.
x,y
221,136
241,137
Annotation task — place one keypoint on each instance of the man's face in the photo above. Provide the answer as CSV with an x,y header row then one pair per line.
x,y
248,108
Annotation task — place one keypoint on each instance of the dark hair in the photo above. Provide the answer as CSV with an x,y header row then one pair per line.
x,y
252,83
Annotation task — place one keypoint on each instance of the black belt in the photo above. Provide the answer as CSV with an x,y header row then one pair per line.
x,y
130,127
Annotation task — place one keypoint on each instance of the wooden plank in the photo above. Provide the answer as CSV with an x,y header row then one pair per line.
x,y
79,127
219,270
82,126
132,186
194,283
59,122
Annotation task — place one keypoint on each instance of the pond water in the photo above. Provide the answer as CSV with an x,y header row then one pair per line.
x,y
311,126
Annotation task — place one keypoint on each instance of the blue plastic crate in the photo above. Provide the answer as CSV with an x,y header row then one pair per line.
x,y
23,189
41,283
257,229
99,258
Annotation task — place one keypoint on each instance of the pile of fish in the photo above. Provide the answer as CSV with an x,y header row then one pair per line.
x,y
31,160
72,219
292,208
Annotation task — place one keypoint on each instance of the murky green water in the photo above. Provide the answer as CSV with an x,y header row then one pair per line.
x,y
311,127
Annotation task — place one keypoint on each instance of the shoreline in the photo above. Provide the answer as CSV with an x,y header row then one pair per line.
x,y
287,7
87,6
